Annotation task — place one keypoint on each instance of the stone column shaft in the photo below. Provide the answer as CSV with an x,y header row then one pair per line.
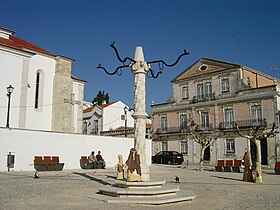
x,y
139,69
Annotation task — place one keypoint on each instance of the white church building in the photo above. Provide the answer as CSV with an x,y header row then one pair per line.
x,y
46,95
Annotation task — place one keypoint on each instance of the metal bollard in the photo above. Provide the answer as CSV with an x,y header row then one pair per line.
x,y
10,161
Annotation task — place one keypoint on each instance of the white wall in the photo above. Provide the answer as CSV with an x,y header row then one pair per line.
x,y
10,74
112,116
26,144
44,113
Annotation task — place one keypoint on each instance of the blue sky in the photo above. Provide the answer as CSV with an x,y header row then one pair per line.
x,y
84,29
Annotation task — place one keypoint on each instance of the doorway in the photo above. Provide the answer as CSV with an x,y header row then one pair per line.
x,y
264,160
207,154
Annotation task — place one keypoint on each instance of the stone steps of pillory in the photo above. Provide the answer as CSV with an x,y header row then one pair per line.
x,y
148,192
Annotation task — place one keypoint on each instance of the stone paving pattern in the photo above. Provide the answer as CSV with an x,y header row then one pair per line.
x,y
72,189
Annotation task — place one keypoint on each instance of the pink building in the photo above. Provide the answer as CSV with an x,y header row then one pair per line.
x,y
215,95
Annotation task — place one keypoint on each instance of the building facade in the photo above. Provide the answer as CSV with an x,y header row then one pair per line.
x,y
106,117
46,96
217,96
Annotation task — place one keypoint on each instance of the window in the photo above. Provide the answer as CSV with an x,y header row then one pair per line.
x,y
204,91
184,147
185,92
204,120
208,89
256,113
199,92
95,127
163,123
85,127
225,85
203,67
37,90
229,120
164,146
183,122
230,146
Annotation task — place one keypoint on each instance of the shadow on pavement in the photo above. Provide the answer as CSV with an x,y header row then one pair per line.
x,y
92,178
221,177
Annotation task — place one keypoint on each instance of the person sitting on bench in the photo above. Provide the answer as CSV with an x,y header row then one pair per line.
x,y
100,160
92,159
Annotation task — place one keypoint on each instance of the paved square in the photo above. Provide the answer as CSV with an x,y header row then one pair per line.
x,y
72,189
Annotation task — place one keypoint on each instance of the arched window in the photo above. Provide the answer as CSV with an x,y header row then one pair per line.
x,y
39,89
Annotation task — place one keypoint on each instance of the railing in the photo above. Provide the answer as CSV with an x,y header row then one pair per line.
x,y
116,132
182,130
242,124
203,98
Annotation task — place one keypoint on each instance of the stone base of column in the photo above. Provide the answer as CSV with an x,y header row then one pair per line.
x,y
145,172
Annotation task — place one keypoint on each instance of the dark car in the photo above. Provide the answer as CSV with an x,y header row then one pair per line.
x,y
168,157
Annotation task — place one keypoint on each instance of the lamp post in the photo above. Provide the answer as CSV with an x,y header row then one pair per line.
x,y
9,93
125,120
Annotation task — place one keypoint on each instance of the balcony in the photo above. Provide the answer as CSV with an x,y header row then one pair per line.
x,y
181,130
223,126
243,124
203,98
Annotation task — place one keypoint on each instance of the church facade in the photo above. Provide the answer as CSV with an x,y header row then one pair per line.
x,y
46,95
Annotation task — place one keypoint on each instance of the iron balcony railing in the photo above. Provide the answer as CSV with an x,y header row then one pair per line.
x,y
182,129
203,98
242,124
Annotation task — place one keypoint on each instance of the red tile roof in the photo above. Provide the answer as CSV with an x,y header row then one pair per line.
x,y
89,109
108,104
23,45
101,106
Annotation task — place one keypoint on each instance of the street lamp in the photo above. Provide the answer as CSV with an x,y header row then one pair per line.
x,y
9,93
125,120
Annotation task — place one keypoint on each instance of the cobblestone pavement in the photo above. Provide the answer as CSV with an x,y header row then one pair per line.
x,y
71,189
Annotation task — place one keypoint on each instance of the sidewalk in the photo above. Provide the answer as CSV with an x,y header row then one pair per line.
x,y
72,189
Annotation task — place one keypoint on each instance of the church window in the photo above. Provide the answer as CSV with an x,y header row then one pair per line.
x,y
37,90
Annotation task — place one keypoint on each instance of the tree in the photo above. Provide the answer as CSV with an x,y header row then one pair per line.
x,y
100,97
256,134
204,138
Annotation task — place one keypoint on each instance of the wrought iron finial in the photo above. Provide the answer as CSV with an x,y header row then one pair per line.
x,y
151,73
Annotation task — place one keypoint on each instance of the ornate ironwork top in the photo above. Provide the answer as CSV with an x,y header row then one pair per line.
x,y
127,62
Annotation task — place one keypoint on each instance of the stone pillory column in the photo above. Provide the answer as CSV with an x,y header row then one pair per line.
x,y
139,68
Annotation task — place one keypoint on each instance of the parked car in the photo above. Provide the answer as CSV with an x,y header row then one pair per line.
x,y
168,157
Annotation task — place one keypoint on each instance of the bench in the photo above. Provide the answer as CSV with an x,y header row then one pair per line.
x,y
277,168
47,163
236,166
228,166
220,165
85,164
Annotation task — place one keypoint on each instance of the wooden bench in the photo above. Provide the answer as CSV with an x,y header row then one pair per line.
x,y
228,166
277,168
85,164
236,166
220,165
47,163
